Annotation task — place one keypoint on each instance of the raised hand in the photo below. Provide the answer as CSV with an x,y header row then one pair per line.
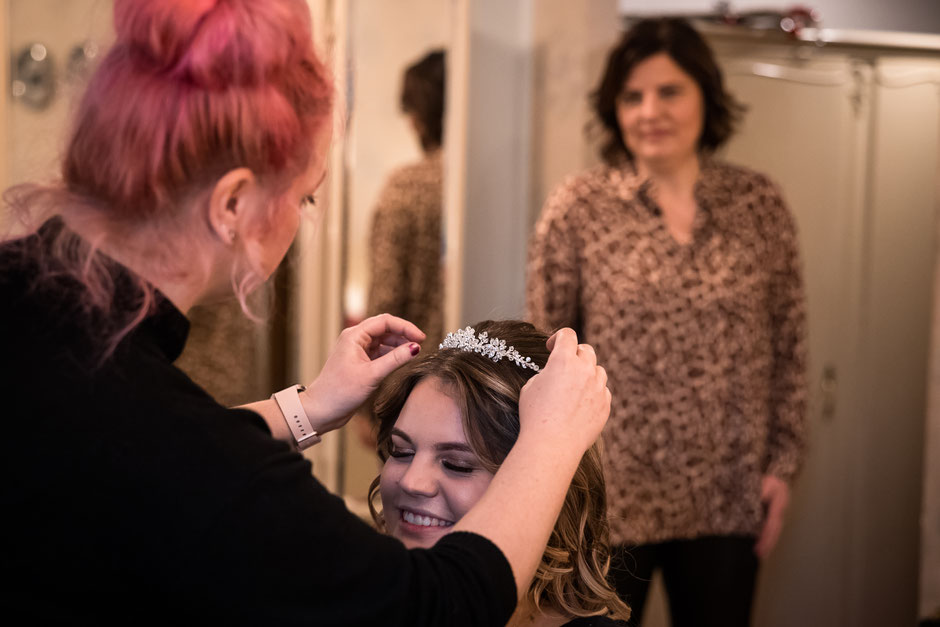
x,y
568,400
362,356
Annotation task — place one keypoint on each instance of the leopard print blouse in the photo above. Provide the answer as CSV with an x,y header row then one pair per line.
x,y
704,343
406,246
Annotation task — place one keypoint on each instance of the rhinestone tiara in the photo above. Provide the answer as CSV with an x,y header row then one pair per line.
x,y
466,339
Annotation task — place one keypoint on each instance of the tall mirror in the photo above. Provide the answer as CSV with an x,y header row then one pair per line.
x,y
393,184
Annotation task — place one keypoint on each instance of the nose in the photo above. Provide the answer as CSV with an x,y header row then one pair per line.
x,y
419,479
650,106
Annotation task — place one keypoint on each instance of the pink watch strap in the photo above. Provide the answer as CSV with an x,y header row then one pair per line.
x,y
288,400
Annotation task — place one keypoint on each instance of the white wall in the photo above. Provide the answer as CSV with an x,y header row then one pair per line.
x,y
922,16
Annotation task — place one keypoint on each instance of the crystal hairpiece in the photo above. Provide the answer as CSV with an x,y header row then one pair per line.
x,y
467,340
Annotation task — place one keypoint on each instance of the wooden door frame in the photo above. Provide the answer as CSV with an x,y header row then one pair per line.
x,y
5,98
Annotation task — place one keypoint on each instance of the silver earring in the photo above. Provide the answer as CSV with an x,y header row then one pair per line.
x,y
231,234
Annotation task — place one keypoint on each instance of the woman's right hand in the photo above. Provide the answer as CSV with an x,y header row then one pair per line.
x,y
362,356
568,400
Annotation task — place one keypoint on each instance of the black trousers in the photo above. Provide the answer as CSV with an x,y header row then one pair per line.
x,y
709,581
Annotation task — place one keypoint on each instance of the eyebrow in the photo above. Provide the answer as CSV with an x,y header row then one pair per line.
x,y
626,89
442,446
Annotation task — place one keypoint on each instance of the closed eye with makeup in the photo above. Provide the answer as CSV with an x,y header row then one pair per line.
x,y
431,477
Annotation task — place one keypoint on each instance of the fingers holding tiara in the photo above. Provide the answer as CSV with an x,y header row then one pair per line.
x,y
587,351
565,335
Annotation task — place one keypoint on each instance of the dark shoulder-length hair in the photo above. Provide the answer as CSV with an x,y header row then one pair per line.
x,y
422,95
684,45
572,575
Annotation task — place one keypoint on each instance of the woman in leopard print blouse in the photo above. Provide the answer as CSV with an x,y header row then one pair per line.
x,y
683,272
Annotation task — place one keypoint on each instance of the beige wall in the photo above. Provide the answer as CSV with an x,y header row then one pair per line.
x,y
570,44
31,140
35,138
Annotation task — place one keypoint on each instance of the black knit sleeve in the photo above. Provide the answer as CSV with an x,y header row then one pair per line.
x,y
287,551
471,564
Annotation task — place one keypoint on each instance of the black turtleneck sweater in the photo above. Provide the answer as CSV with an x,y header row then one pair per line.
x,y
130,495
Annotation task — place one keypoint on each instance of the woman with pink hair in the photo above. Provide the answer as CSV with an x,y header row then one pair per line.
x,y
131,494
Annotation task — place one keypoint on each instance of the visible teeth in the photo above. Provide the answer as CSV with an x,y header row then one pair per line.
x,y
424,521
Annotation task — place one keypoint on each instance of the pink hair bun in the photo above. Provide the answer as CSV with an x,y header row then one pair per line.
x,y
216,43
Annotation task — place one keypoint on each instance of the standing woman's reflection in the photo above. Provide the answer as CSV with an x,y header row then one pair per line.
x,y
406,274
683,272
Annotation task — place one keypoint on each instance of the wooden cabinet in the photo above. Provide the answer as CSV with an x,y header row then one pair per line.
x,y
851,133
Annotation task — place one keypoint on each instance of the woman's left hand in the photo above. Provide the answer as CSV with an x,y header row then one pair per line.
x,y
775,495
362,356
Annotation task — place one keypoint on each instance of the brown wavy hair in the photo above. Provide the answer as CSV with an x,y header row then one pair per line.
x,y
422,95
684,45
572,575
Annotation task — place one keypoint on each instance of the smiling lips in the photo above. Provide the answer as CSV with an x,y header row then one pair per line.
x,y
424,521
655,133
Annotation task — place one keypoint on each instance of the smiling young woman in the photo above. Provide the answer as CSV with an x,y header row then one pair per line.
x,y
447,421
431,477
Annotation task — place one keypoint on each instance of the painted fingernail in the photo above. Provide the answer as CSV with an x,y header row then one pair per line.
x,y
414,349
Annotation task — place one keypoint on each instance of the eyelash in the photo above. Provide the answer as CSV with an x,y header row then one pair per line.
x,y
465,470
630,98
451,466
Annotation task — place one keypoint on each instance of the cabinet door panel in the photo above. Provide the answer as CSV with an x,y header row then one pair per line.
x,y
805,128
901,247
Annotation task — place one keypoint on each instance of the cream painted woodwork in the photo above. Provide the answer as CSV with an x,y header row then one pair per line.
x,y
4,104
315,261
812,115
851,134
901,247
